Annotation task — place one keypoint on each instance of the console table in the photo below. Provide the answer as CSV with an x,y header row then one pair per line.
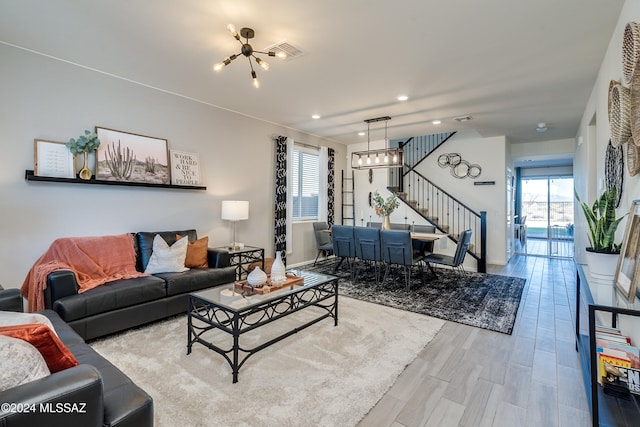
x,y
606,410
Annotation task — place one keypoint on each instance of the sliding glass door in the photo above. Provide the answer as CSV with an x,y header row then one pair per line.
x,y
547,212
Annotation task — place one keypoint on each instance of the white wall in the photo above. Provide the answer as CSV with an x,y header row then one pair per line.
x,y
489,153
492,155
592,138
543,150
50,99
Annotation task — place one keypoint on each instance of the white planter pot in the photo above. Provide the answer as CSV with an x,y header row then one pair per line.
x,y
602,267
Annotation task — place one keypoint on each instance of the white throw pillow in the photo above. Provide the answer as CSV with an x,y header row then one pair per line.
x,y
167,259
11,318
21,363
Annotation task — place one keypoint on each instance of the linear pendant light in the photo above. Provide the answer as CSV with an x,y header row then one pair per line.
x,y
380,158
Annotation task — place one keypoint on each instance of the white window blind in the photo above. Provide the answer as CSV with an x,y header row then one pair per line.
x,y
305,170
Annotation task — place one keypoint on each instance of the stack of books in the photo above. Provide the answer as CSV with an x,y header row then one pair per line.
x,y
618,362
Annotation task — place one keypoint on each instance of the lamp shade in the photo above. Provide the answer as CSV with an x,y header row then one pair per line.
x,y
235,210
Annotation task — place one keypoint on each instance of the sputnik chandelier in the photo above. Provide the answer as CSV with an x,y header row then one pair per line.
x,y
386,157
248,51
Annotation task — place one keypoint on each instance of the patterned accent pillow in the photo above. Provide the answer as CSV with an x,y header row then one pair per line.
x,y
167,259
21,363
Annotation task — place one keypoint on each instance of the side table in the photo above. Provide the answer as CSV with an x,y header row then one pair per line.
x,y
241,258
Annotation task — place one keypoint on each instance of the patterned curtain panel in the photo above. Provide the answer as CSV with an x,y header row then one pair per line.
x,y
330,188
280,214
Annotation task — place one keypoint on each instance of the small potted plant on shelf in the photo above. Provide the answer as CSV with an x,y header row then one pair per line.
x,y
602,255
84,144
384,208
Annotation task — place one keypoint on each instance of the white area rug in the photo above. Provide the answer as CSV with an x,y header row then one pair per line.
x,y
321,376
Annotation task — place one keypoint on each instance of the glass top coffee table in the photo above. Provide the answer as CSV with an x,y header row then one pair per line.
x,y
229,310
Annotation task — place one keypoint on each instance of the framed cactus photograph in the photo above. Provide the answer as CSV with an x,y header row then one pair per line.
x,y
129,157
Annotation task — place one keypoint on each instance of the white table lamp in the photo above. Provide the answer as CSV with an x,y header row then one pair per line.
x,y
235,210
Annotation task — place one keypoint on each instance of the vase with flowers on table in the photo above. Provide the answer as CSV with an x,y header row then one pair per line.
x,y
384,207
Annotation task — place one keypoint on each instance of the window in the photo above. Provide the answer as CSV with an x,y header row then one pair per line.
x,y
305,188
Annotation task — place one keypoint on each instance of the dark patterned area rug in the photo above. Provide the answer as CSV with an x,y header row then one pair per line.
x,y
485,301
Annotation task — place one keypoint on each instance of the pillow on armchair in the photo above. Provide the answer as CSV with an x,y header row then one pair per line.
x,y
54,352
11,318
21,363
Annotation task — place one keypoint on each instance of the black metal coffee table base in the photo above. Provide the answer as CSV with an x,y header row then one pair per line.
x,y
236,322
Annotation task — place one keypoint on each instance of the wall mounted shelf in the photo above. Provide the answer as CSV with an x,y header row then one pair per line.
x,y
30,176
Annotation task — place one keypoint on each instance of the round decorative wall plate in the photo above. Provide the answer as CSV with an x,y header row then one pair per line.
x,y
459,168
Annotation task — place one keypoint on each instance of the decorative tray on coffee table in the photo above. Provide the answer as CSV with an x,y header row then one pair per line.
x,y
269,286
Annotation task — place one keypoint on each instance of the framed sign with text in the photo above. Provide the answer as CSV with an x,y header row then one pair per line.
x,y
53,159
185,168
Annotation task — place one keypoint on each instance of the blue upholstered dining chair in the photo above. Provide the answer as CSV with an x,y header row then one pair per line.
x,y
397,250
368,250
454,261
344,246
323,239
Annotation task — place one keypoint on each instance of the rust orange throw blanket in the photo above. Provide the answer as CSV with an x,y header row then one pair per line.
x,y
94,260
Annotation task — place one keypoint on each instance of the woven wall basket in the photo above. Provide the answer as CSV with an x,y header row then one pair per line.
x,y
633,158
614,169
612,83
635,109
630,51
619,113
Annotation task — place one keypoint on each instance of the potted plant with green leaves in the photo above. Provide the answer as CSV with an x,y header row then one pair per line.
x,y
84,144
602,255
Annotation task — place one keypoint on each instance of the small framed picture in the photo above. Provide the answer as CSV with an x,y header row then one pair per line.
x,y
129,157
185,168
52,158
627,273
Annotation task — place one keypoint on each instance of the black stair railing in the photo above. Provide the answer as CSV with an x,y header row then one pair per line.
x,y
416,149
436,205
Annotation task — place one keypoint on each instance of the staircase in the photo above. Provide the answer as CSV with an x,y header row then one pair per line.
x,y
433,203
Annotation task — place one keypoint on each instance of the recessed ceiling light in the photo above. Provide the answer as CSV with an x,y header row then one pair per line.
x,y
436,122
402,97
315,116
542,127
361,133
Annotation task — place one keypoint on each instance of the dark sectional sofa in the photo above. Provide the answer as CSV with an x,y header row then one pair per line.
x,y
111,398
122,304
103,395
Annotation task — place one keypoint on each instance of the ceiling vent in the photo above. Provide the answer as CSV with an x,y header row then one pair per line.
x,y
284,46
462,119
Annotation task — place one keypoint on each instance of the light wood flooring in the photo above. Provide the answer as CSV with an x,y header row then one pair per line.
x,y
473,377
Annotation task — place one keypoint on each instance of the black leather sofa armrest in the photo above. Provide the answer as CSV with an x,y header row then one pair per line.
x,y
11,300
218,258
60,284
72,397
